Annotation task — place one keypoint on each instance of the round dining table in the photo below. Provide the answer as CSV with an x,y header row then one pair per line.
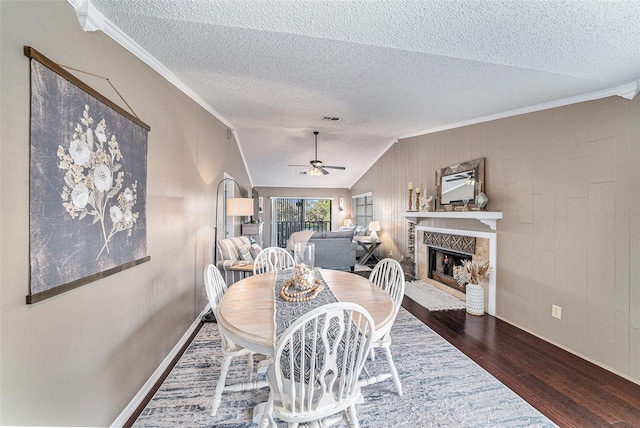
x,y
246,312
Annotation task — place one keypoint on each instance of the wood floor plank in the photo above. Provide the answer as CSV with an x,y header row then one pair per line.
x,y
569,390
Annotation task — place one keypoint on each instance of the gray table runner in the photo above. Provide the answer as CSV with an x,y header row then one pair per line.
x,y
285,313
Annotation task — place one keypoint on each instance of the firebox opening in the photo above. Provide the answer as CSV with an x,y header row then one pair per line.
x,y
441,266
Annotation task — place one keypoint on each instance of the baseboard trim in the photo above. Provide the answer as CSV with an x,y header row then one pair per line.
x,y
130,413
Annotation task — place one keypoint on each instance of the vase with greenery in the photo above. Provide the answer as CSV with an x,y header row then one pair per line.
x,y
473,274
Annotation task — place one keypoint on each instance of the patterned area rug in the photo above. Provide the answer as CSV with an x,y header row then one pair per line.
x,y
442,388
430,297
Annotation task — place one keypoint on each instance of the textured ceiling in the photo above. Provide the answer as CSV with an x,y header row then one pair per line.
x,y
387,69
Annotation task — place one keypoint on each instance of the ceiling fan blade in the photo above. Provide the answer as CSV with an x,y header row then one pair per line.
x,y
333,167
302,171
299,166
324,171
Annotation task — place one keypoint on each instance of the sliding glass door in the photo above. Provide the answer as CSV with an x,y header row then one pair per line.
x,y
294,214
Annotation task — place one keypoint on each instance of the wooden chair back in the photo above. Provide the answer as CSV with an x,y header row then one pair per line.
x,y
272,258
215,286
318,361
389,276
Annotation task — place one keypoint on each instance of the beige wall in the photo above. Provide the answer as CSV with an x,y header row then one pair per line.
x,y
337,218
568,184
80,357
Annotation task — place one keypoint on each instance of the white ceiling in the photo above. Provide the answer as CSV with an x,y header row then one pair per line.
x,y
388,69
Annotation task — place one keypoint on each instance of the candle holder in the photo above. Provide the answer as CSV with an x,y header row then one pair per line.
x,y
410,199
417,201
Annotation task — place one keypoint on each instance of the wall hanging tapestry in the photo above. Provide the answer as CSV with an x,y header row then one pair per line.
x,y
88,173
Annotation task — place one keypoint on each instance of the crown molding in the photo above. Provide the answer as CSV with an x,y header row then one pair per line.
x,y
91,19
628,91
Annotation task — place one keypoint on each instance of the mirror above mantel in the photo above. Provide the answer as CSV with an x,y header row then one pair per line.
x,y
458,186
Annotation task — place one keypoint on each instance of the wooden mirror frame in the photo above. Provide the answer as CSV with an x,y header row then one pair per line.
x,y
475,165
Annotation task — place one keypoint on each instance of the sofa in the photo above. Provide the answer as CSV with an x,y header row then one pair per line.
x,y
359,232
334,249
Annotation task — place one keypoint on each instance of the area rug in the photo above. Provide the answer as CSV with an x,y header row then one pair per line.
x,y
442,388
430,297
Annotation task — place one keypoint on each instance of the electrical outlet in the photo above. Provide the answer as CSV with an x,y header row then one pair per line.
x,y
556,312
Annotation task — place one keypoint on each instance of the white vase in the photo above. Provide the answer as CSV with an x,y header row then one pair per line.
x,y
475,299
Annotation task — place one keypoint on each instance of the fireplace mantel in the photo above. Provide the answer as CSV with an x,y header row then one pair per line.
x,y
490,218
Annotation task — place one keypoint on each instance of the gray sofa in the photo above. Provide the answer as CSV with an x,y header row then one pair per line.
x,y
359,232
334,249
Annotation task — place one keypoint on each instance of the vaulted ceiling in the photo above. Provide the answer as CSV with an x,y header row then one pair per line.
x,y
271,70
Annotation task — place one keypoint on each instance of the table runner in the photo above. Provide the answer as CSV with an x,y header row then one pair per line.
x,y
285,313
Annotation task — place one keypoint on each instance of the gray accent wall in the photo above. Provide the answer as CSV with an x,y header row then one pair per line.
x,y
567,181
77,359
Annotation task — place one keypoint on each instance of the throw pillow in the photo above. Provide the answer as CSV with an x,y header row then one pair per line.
x,y
362,231
245,254
255,249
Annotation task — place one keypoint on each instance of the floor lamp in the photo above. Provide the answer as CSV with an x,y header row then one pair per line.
x,y
234,207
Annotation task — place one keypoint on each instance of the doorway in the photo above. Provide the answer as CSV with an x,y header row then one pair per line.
x,y
295,214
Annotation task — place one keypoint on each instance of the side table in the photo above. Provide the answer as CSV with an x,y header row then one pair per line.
x,y
369,248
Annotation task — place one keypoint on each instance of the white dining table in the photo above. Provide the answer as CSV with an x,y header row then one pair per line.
x,y
246,312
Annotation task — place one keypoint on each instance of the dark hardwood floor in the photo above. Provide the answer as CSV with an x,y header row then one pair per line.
x,y
568,390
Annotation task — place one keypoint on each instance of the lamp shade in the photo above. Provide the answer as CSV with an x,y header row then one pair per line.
x,y
239,207
374,227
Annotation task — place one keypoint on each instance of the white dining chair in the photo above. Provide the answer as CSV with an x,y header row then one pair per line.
x,y
216,287
272,258
318,359
389,276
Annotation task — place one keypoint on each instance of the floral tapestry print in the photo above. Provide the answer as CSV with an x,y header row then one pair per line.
x,y
88,184
90,165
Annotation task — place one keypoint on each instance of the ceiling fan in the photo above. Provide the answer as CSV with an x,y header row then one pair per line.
x,y
316,167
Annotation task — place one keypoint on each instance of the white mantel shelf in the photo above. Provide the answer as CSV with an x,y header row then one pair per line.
x,y
490,218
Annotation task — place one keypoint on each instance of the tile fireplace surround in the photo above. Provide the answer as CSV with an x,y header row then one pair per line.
x,y
487,242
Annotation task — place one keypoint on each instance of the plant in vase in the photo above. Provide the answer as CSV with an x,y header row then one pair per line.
x,y
473,273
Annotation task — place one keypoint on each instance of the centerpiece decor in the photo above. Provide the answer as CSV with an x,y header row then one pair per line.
x,y
473,274
303,286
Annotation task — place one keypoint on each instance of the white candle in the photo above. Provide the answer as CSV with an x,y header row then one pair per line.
x,y
417,190
411,185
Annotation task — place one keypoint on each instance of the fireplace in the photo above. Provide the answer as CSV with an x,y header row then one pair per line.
x,y
441,264
456,244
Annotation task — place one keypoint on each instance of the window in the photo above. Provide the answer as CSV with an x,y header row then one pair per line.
x,y
362,206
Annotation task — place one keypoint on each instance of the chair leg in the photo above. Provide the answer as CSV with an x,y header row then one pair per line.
x,y
249,366
267,420
217,397
353,417
394,372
